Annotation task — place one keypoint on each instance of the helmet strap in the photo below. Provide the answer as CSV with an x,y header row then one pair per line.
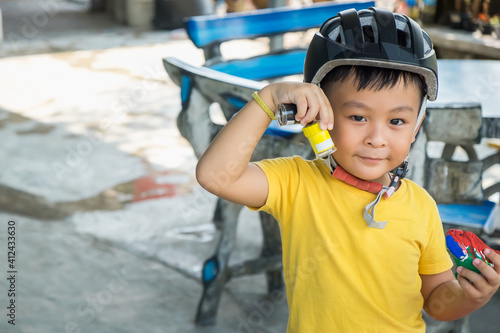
x,y
376,188
421,115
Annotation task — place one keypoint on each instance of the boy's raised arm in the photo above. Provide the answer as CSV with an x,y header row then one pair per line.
x,y
225,169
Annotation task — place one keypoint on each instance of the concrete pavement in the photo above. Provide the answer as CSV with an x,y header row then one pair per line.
x,y
110,226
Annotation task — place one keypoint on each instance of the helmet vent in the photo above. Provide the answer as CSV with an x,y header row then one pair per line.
x,y
368,34
403,32
369,27
427,44
337,35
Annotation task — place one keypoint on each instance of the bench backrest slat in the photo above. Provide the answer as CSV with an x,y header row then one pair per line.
x,y
210,29
269,66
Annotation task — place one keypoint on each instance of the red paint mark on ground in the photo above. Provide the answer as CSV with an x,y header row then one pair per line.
x,y
150,187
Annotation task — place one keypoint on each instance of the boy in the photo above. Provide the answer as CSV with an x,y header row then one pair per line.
x,y
348,268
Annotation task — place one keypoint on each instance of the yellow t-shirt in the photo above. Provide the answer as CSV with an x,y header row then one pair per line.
x,y
341,275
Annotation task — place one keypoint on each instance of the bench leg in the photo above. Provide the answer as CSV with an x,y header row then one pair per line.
x,y
271,247
215,271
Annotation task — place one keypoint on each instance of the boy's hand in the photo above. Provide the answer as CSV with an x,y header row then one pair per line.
x,y
312,103
479,288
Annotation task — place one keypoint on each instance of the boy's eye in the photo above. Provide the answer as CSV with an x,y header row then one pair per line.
x,y
358,118
397,122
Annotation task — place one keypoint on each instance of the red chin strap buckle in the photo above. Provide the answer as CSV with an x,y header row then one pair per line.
x,y
365,185
376,188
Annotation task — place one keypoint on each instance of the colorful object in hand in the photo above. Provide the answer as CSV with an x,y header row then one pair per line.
x,y
464,246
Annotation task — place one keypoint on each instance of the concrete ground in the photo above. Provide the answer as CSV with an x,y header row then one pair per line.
x,y
110,226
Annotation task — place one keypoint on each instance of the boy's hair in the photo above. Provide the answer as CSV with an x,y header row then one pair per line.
x,y
373,78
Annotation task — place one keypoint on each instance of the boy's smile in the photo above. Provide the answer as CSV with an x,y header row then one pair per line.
x,y
373,129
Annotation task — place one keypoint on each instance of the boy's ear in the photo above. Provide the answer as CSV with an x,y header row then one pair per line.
x,y
417,129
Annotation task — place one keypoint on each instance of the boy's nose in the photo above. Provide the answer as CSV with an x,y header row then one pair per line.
x,y
376,137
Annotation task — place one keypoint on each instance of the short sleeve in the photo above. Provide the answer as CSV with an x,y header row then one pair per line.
x,y
267,167
281,174
435,258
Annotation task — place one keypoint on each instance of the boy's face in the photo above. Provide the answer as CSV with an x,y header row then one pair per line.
x,y
373,130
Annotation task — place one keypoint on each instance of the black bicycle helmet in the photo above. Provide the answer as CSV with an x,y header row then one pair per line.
x,y
372,37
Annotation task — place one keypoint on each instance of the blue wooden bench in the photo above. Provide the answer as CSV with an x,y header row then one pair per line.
x,y
479,217
230,83
210,31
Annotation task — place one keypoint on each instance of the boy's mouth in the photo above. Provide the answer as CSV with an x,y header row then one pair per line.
x,y
371,160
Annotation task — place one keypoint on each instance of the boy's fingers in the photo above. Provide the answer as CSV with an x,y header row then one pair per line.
x,y
466,280
487,271
490,273
326,123
312,111
494,258
472,276
325,114
310,114
312,104
302,108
